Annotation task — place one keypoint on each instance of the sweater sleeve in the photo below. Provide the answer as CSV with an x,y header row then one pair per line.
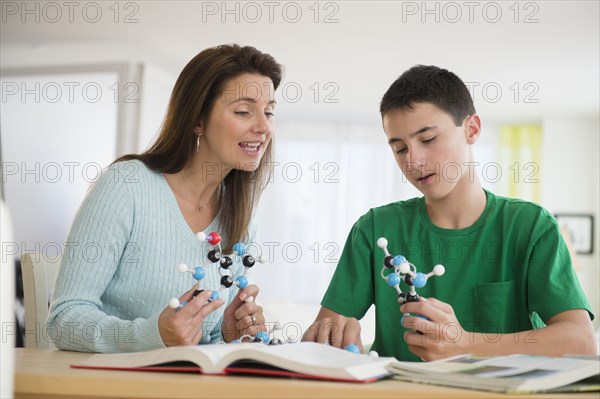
x,y
96,247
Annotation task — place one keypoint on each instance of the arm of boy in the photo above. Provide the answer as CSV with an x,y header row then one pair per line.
x,y
568,332
334,329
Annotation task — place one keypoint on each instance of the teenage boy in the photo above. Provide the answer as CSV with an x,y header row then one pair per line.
x,y
509,285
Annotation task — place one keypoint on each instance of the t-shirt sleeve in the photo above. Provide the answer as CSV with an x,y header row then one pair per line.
x,y
350,292
553,286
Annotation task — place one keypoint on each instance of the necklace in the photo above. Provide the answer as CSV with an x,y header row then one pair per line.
x,y
201,207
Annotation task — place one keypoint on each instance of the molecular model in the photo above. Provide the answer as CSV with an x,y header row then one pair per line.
x,y
404,270
216,255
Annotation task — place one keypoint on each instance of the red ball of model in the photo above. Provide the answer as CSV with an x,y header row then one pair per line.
x,y
214,238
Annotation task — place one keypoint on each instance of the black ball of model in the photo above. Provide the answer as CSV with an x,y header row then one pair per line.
x,y
248,261
214,256
226,262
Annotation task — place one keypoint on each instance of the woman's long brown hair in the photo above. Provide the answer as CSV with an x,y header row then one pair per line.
x,y
197,88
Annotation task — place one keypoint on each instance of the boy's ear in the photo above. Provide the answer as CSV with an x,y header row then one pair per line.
x,y
472,128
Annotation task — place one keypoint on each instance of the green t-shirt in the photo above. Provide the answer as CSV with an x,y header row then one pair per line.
x,y
508,272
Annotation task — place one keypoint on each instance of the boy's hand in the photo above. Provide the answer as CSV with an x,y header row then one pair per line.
x,y
243,316
183,326
334,329
440,336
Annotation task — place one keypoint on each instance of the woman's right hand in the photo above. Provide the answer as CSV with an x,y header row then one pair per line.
x,y
183,326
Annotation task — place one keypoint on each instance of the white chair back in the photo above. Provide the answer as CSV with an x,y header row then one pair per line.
x,y
39,275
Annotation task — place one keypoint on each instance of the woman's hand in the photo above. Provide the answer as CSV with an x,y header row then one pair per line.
x,y
243,316
183,326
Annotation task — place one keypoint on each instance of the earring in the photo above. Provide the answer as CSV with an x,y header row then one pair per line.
x,y
198,131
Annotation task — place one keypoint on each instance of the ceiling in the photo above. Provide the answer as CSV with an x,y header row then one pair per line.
x,y
524,61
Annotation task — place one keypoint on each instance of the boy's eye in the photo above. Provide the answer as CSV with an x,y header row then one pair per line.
x,y
401,150
269,114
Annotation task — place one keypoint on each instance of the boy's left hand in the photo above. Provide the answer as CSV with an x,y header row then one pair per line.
x,y
241,317
440,336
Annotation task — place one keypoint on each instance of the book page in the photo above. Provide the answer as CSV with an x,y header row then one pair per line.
x,y
307,358
205,360
312,359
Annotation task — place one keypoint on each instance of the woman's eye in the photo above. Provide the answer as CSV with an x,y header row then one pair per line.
x,y
429,140
242,113
269,114
401,150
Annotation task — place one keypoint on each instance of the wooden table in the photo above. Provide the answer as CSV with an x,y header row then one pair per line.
x,y
46,374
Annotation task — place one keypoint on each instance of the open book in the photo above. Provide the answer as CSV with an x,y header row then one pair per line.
x,y
511,374
304,360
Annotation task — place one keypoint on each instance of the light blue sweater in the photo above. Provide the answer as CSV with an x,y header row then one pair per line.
x,y
119,265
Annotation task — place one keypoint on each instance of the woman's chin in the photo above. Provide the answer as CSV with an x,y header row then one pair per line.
x,y
247,166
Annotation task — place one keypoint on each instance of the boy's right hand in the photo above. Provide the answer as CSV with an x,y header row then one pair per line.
x,y
334,329
183,326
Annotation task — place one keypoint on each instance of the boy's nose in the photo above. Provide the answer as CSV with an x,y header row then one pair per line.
x,y
416,160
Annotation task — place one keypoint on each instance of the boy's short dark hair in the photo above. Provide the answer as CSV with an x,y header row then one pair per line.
x,y
429,84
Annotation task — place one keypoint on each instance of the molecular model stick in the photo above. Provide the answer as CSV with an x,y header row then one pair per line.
x,y
405,271
216,255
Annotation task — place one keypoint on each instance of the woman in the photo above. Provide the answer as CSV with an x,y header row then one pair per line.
x,y
205,173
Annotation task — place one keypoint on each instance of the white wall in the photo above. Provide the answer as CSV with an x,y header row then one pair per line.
x,y
155,92
7,307
58,131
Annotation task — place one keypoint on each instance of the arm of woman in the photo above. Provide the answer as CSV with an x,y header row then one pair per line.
x,y
98,239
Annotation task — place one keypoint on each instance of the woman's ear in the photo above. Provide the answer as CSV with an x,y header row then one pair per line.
x,y
198,130
472,128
